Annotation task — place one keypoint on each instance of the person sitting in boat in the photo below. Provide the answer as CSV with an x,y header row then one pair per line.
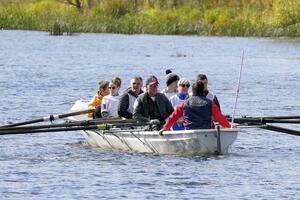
x,y
127,100
152,106
171,82
96,101
208,94
183,93
110,103
197,112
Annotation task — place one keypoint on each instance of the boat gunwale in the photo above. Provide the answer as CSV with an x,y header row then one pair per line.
x,y
169,133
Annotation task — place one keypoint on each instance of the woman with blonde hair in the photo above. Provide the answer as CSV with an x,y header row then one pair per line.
x,y
183,92
96,101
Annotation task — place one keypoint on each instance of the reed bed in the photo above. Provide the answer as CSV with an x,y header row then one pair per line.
x,y
198,17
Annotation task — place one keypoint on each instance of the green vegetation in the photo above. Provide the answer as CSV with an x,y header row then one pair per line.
x,y
201,17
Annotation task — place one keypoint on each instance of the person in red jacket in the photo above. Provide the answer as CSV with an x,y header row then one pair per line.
x,y
197,112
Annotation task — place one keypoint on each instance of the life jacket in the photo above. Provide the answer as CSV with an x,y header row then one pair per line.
x,y
197,113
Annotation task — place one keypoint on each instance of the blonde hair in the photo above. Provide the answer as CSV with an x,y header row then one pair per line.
x,y
183,81
103,84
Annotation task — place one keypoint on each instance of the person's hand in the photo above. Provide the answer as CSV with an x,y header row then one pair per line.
x,y
154,121
104,114
161,132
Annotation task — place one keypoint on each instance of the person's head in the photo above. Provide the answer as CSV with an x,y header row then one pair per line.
x,y
114,86
118,79
136,84
103,88
183,85
171,80
152,84
198,88
203,79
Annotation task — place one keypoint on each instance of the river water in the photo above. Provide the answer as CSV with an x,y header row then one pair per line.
x,y
42,75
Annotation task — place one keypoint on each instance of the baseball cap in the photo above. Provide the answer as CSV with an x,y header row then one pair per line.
x,y
152,80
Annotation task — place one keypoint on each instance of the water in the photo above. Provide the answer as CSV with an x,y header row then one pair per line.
x,y
42,75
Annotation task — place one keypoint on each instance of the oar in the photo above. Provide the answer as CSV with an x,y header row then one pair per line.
x,y
49,118
266,120
269,117
52,130
37,129
281,117
281,129
69,124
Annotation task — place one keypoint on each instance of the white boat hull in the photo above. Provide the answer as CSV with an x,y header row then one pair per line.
x,y
187,142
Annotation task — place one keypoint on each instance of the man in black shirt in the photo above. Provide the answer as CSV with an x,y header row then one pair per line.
x,y
152,106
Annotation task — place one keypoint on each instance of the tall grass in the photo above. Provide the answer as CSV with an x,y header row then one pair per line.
x,y
203,17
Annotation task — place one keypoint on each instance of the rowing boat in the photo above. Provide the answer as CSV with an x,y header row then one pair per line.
x,y
184,142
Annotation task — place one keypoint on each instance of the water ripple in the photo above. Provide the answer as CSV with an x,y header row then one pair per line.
x,y
36,81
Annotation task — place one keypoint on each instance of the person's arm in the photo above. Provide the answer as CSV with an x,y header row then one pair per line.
x,y
169,107
123,106
218,116
137,110
93,104
217,102
104,107
174,117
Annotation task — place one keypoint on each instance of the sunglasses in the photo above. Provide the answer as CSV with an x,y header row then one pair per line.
x,y
154,85
185,85
113,87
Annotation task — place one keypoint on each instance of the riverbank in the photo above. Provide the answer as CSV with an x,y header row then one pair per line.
x,y
270,18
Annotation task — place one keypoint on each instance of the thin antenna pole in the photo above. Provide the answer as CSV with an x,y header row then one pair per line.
x,y
237,89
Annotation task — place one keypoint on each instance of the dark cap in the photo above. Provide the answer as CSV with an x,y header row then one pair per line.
x,y
171,77
152,80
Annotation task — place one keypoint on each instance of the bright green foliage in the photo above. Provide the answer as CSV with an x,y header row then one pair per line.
x,y
202,17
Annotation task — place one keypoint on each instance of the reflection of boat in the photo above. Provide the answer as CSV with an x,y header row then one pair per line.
x,y
185,142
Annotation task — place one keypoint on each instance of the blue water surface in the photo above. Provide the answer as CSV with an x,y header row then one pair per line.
x,y
42,75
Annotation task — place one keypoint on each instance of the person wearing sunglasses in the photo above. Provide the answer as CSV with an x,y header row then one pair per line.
x,y
152,106
181,96
171,82
110,103
96,101
210,95
197,111
127,100
183,92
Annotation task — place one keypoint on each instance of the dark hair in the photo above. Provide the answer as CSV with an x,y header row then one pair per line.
x,y
103,84
201,77
198,88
